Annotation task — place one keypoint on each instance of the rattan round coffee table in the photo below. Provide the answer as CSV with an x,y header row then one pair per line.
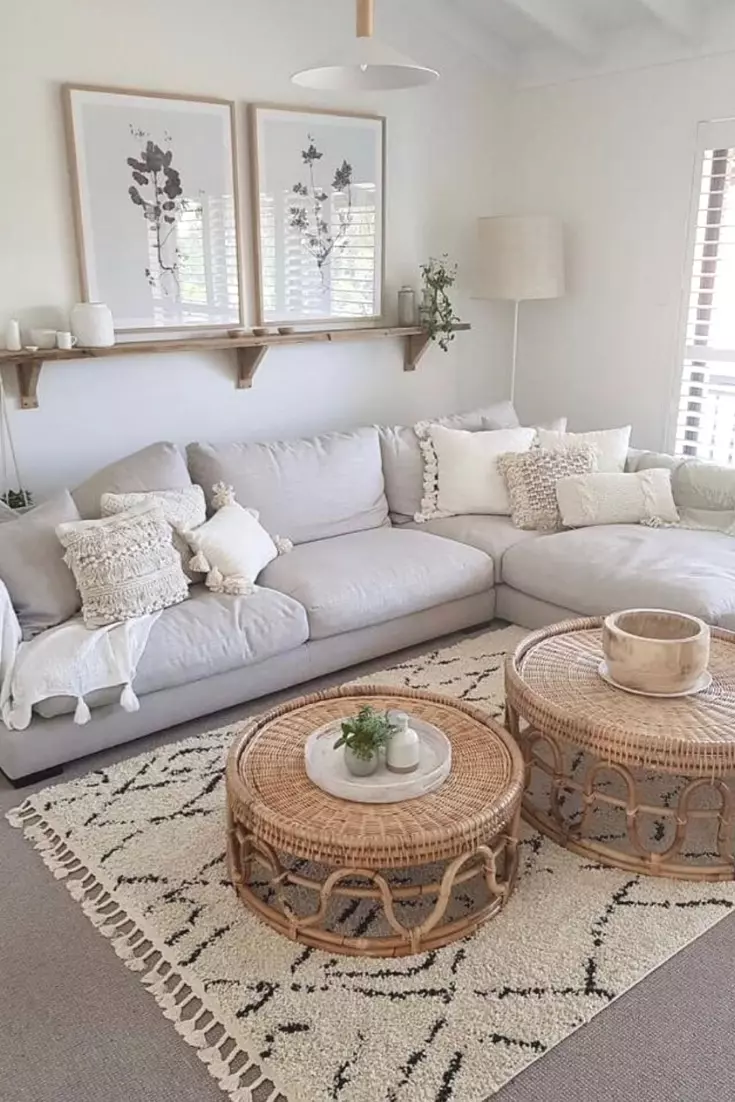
x,y
287,836
644,784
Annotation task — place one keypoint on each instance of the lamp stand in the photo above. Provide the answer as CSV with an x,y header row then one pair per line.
x,y
515,351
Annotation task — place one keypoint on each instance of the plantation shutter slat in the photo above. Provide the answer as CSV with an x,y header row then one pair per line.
x,y
706,414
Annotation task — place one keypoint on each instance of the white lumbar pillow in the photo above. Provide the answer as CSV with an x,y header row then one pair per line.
x,y
469,480
641,498
233,546
611,445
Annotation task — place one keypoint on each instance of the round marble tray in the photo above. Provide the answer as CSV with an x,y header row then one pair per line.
x,y
703,682
326,767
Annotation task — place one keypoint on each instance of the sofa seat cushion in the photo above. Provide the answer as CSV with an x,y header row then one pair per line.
x,y
599,570
493,535
365,578
210,633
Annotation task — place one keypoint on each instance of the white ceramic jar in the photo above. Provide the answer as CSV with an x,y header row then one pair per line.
x,y
403,747
92,325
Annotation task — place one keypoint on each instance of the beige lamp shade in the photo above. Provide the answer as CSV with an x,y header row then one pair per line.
x,y
521,257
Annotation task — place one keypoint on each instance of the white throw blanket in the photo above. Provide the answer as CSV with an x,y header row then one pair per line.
x,y
69,660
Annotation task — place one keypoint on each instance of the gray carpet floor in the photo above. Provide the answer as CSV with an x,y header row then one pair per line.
x,y
75,1026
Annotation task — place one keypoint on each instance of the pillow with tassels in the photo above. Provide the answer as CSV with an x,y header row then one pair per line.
x,y
232,547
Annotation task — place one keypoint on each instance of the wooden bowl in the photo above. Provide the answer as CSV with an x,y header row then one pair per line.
x,y
654,651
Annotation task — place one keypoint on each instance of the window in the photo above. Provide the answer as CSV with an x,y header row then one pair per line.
x,y
706,416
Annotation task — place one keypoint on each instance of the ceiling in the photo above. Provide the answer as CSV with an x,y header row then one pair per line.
x,y
538,41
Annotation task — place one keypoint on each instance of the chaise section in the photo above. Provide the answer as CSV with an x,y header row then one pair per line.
x,y
599,570
365,578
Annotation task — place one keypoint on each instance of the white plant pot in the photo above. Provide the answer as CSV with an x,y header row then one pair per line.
x,y
360,767
92,325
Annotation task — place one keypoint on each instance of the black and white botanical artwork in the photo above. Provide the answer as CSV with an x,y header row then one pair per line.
x,y
158,194
319,215
321,235
156,199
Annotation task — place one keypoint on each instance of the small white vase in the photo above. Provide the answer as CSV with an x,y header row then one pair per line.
x,y
402,750
12,336
92,325
360,767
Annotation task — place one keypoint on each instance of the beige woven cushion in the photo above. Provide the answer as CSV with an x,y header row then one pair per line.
x,y
531,479
182,509
124,565
641,498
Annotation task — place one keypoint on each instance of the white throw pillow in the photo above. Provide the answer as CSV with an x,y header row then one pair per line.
x,y
233,546
611,445
644,497
468,477
183,509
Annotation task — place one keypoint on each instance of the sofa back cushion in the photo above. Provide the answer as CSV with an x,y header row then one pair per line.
x,y
157,467
403,466
41,585
303,489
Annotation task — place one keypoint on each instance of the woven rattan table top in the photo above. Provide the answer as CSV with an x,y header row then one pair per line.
x,y
553,683
271,795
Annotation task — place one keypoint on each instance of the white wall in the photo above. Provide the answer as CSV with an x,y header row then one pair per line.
x,y
445,152
613,156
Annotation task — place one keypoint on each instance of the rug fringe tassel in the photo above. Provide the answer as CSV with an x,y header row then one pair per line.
x,y
173,991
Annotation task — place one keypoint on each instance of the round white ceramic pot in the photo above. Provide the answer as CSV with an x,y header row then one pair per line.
x,y
92,325
360,767
403,748
654,651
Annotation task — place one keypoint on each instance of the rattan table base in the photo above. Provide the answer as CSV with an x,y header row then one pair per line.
x,y
299,857
662,770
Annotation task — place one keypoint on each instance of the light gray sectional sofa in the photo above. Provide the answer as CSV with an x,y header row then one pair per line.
x,y
363,579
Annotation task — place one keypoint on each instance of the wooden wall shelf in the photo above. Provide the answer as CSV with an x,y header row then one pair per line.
x,y
249,351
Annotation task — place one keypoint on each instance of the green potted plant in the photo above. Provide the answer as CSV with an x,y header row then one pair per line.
x,y
362,737
437,313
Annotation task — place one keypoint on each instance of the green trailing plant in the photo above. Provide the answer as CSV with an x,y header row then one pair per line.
x,y
365,733
437,313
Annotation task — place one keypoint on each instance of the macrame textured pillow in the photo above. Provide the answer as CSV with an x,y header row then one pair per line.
x,y
232,547
124,565
641,498
182,509
531,479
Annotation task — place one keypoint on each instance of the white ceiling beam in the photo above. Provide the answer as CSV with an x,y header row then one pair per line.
x,y
555,19
683,17
467,32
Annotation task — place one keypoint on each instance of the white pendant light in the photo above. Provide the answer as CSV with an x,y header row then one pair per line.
x,y
367,65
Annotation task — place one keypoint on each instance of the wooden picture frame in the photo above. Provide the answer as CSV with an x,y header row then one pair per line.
x,y
300,283
154,181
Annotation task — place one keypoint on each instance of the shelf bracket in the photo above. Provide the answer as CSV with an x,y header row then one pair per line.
x,y
28,373
416,346
249,359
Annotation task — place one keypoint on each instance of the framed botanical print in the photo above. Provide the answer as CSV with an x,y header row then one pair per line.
x,y
155,194
318,199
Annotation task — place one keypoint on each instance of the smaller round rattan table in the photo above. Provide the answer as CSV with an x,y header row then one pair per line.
x,y
289,842
644,784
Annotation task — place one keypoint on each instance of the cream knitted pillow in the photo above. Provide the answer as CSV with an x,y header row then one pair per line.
x,y
183,509
531,479
124,565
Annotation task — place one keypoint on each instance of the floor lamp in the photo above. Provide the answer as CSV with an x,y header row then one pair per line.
x,y
521,258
